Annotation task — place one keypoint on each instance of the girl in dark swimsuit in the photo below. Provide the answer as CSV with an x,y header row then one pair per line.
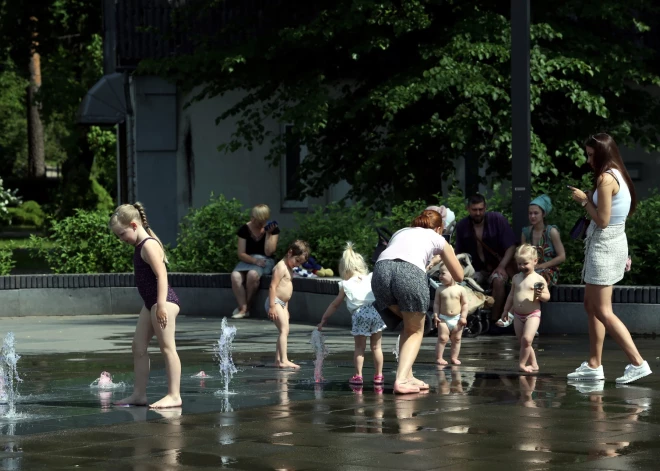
x,y
161,305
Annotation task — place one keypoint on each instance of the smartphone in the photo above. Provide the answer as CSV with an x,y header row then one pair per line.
x,y
269,225
538,285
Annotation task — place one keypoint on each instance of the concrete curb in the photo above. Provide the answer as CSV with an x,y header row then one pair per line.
x,y
559,294
210,295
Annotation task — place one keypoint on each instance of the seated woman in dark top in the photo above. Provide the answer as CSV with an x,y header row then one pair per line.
x,y
257,243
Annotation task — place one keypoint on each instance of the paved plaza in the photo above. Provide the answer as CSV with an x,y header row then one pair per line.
x,y
481,415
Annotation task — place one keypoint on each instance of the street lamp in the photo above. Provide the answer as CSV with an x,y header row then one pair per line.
x,y
521,172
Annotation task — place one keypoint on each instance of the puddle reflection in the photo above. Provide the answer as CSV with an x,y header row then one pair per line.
x,y
456,385
368,415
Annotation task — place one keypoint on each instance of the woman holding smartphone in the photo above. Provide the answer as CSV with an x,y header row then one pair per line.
x,y
606,254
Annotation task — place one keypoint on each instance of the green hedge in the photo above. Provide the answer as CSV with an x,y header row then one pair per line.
x,y
6,261
207,237
327,229
82,243
28,213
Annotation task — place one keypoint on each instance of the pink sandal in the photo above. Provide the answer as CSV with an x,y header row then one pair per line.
x,y
356,380
379,379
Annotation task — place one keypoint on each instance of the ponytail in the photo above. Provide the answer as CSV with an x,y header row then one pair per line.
x,y
351,263
143,219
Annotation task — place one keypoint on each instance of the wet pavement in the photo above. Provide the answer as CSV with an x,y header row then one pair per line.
x,y
480,415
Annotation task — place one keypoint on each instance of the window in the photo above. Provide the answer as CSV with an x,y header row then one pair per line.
x,y
290,166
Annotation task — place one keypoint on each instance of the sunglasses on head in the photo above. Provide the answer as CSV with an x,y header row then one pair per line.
x,y
593,136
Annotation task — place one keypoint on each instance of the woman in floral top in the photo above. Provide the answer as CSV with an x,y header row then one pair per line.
x,y
545,238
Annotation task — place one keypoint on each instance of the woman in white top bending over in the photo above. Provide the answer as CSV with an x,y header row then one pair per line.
x,y
399,283
606,257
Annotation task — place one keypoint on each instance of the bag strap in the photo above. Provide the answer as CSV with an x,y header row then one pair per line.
x,y
611,172
492,252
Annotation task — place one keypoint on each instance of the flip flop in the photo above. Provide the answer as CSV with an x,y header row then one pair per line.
x,y
507,323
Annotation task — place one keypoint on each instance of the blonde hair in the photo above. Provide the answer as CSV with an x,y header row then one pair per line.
x,y
351,263
527,252
125,214
261,212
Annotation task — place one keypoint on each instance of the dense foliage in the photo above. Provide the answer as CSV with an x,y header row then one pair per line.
x,y
389,95
328,228
6,261
207,237
67,35
28,213
82,243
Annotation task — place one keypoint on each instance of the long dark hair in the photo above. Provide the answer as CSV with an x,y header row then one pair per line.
x,y
606,156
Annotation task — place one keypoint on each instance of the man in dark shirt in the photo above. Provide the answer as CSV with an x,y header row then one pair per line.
x,y
489,239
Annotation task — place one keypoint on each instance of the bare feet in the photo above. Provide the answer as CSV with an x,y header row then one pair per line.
x,y
286,364
167,402
405,387
534,367
455,361
441,361
419,383
133,400
526,369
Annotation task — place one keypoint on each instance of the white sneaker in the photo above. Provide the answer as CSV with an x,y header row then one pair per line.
x,y
241,315
585,373
587,387
633,373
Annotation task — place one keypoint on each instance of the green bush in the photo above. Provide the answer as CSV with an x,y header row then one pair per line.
x,y
207,237
642,230
28,214
7,198
402,214
103,199
82,243
328,228
6,261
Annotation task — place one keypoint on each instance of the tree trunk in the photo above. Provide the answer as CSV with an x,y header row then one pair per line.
x,y
36,151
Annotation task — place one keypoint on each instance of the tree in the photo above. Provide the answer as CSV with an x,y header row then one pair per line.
x,y
390,95
19,33
67,47
13,118
36,151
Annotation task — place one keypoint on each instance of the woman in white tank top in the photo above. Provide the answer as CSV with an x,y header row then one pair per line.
x,y
606,253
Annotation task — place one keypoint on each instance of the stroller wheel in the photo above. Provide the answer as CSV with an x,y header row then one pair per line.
x,y
473,327
485,325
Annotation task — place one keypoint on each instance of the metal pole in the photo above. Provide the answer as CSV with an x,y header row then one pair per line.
x,y
521,172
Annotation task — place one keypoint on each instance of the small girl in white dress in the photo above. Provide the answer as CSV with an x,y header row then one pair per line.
x,y
366,322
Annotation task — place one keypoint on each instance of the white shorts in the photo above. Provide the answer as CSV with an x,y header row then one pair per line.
x,y
366,321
